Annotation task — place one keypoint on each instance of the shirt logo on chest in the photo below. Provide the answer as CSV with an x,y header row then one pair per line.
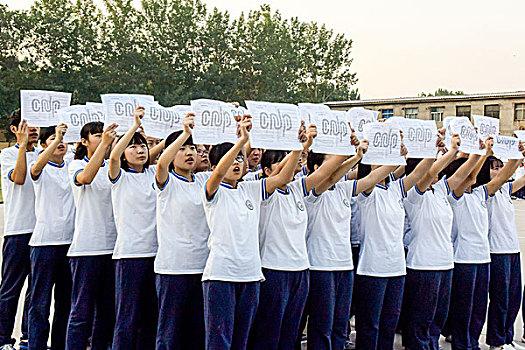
x,y
300,206
401,204
346,202
249,204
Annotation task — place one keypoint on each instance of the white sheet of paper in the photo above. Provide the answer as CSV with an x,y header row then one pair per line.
x,y
160,122
275,125
468,135
419,136
486,126
97,108
358,117
506,147
119,108
75,117
38,107
520,134
333,133
214,122
384,144
308,110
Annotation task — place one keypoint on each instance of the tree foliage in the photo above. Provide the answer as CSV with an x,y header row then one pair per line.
x,y
442,92
177,50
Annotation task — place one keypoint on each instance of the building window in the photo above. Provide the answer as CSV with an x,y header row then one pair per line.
x,y
519,111
411,113
492,111
463,111
387,113
436,113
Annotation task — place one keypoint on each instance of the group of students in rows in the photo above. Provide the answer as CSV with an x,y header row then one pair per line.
x,y
175,248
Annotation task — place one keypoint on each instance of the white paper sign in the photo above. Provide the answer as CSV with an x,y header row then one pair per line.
x,y
160,122
384,144
333,133
97,108
119,108
506,147
468,135
75,117
486,126
520,134
309,110
419,137
275,125
358,117
214,122
39,106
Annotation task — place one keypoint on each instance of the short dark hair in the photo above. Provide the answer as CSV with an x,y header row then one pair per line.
x,y
363,170
137,139
452,167
218,151
174,135
90,128
483,177
314,159
412,163
46,133
15,117
270,157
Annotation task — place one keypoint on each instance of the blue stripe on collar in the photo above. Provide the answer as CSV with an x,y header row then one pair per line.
x,y
86,159
286,191
131,170
183,178
224,184
61,165
17,146
381,186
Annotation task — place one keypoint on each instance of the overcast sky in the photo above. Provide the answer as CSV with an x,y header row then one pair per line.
x,y
404,47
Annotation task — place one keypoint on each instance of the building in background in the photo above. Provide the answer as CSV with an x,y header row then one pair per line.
x,y
509,107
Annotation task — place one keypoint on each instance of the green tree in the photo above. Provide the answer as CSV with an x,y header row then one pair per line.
x,y
442,92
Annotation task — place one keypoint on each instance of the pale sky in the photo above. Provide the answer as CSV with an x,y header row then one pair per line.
x,y
404,47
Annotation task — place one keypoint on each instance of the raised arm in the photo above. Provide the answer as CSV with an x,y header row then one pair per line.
x,y
227,160
86,176
503,176
18,175
46,155
367,183
163,164
120,147
155,151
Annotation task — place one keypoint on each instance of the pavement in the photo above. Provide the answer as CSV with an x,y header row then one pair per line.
x,y
520,222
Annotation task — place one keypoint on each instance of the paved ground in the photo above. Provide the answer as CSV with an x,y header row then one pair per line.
x,y
520,221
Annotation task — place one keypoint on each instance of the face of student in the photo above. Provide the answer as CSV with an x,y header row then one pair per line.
x,y
203,163
254,158
60,151
136,155
33,134
495,168
186,158
269,171
152,141
235,171
92,142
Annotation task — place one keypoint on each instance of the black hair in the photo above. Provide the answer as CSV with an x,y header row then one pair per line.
x,y
137,139
313,160
363,170
270,157
171,138
494,160
411,165
15,117
90,128
218,151
483,177
46,133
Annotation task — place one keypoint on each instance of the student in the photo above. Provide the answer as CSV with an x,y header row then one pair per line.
x,y
19,223
254,159
92,300
232,274
381,271
430,257
505,266
55,220
182,236
203,162
133,197
470,231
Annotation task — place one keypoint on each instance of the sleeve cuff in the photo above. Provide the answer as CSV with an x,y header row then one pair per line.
x,y
115,180
163,186
75,177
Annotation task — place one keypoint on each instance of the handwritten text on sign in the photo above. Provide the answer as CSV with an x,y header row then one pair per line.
x,y
75,117
119,108
333,134
359,117
214,122
506,147
275,125
486,126
39,107
419,136
467,133
160,122
308,111
384,144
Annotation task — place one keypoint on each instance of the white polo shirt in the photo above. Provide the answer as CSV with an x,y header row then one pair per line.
x,y
382,253
503,237
282,229
233,218
19,200
356,234
182,230
95,230
54,207
470,229
430,217
134,206
328,233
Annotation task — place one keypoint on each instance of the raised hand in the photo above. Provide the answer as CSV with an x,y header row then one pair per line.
x,y
138,114
109,134
189,122
22,133
60,130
